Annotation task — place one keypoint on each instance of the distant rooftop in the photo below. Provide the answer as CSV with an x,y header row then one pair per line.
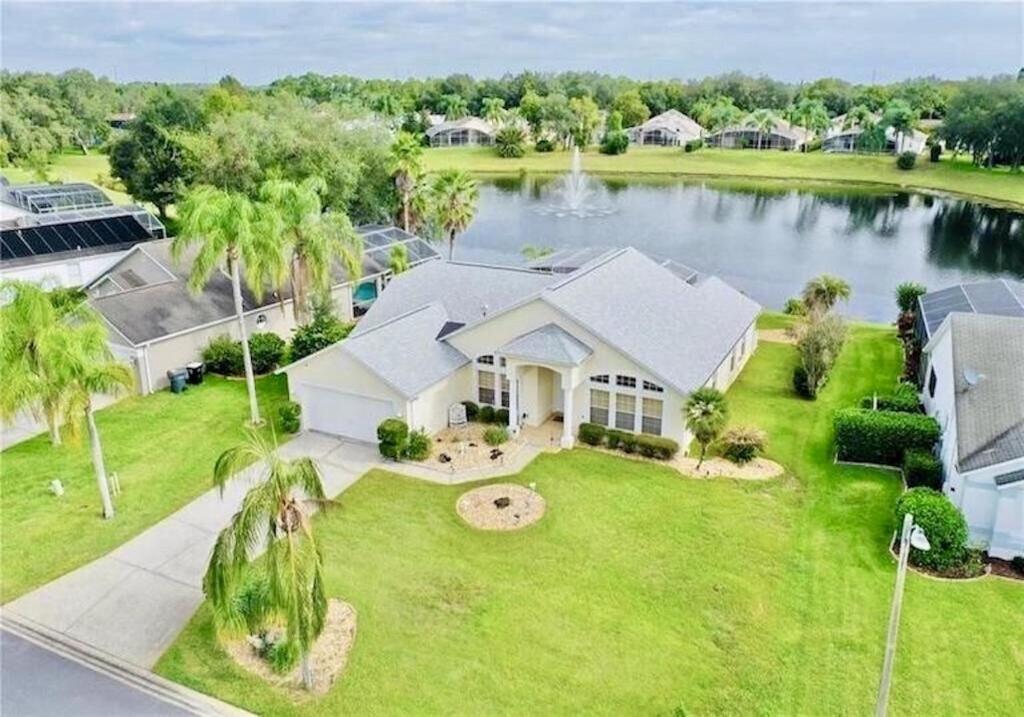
x,y
46,198
566,261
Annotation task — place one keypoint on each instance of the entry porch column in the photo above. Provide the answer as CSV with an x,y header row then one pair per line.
x,y
512,373
568,438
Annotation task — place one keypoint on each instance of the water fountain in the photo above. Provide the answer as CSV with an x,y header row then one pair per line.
x,y
575,194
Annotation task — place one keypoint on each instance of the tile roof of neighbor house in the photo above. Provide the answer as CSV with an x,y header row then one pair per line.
x,y
549,344
990,413
152,299
672,120
480,125
404,352
998,297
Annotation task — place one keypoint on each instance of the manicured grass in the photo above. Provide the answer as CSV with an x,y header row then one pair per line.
x,y
641,591
72,168
162,448
950,176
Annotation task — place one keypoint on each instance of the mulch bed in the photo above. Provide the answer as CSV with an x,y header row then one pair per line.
x,y
1004,569
501,506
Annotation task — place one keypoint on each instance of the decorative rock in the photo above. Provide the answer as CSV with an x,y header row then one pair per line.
x,y
502,506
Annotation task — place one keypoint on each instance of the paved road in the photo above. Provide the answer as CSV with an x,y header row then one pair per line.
x,y
35,682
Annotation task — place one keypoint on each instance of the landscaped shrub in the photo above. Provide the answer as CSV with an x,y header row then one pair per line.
x,y
794,307
392,437
819,344
289,414
265,350
223,355
324,330
544,145
693,145
486,414
800,384
941,522
922,468
1018,564
251,602
628,442
614,143
472,410
903,400
882,436
656,447
282,656
508,143
501,416
742,444
614,437
592,434
906,161
934,152
495,435
417,447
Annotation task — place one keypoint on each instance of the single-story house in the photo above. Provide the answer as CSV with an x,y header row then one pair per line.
x,y
157,324
621,341
975,390
782,135
62,235
841,137
120,120
670,128
460,132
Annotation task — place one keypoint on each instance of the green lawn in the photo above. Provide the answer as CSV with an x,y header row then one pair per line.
x,y
641,591
162,448
949,176
72,168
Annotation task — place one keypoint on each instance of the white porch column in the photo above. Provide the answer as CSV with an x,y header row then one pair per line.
x,y
567,411
512,372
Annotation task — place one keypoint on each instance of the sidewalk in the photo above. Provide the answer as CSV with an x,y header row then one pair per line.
x,y
133,602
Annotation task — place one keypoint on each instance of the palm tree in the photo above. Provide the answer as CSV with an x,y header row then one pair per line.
x,y
763,121
706,413
823,292
398,259
455,196
310,238
455,107
407,165
901,117
810,114
494,110
88,367
226,226
274,514
859,116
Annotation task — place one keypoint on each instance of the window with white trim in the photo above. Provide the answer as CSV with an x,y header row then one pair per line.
x,y
485,387
648,386
599,405
625,381
651,419
487,360
625,411
505,391
599,378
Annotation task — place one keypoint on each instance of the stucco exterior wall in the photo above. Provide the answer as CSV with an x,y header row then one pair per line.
x,y
429,410
336,369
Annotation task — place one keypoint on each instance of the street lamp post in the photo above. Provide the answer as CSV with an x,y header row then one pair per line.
x,y
911,535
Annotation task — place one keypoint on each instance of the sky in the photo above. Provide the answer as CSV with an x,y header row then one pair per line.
x,y
260,41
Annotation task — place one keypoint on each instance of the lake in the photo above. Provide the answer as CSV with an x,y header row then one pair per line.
x,y
766,240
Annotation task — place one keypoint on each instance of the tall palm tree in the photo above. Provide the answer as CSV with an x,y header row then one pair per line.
x,y
902,118
274,514
308,240
407,166
859,116
88,367
810,114
493,110
228,229
455,197
706,413
455,107
823,292
764,122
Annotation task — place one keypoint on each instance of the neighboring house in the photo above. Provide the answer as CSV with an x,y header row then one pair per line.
x,y
157,324
120,120
783,135
460,132
620,341
997,297
670,128
66,234
974,388
843,138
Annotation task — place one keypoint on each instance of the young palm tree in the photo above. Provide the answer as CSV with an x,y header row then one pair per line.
x,y
308,240
88,367
455,196
763,121
823,292
706,413
407,165
274,514
398,259
494,110
226,226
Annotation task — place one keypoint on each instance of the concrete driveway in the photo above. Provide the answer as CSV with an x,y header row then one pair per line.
x,y
133,602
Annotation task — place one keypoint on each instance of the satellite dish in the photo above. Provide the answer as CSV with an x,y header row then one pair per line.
x,y
972,377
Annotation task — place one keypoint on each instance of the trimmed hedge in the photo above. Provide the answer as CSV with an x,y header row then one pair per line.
x,y
882,437
486,414
906,161
656,447
223,356
646,445
592,434
941,522
266,351
472,410
392,437
921,468
501,416
903,400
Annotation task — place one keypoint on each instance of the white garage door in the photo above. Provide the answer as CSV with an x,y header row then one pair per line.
x,y
344,414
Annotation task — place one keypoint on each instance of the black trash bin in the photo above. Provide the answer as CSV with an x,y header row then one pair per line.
x,y
177,377
195,371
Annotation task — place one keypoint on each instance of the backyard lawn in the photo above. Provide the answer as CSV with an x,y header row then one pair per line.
x,y
641,591
788,167
162,448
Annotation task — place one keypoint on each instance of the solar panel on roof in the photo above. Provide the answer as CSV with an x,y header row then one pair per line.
x,y
994,297
68,236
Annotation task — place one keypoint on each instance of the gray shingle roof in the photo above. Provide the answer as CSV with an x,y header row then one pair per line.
x,y
678,331
548,344
989,414
404,352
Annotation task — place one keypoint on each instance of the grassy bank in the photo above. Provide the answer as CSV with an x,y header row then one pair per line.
x,y
641,592
960,177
